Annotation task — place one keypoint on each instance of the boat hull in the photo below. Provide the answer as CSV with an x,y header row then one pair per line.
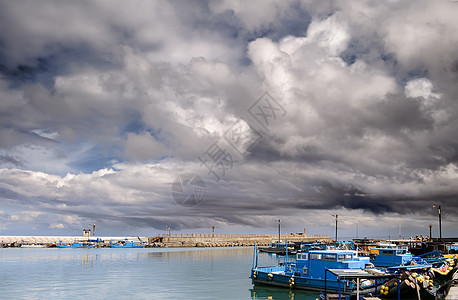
x,y
75,246
278,276
126,244
277,251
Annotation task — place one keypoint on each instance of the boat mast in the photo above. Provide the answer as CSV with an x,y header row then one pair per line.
x,y
278,229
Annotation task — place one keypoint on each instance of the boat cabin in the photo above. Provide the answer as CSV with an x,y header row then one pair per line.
x,y
390,257
311,270
313,263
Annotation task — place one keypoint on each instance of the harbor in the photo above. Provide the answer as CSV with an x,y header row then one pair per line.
x,y
167,240
228,149
175,273
393,273
328,269
416,268
137,273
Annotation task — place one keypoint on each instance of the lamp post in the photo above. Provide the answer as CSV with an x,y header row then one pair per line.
x,y
438,207
337,216
169,229
278,221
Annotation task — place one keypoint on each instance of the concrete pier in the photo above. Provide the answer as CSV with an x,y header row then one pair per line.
x,y
453,291
223,240
174,240
48,240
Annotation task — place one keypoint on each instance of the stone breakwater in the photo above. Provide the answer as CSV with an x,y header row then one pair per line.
x,y
18,241
170,240
228,240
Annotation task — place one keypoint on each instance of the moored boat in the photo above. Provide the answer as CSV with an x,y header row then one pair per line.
x,y
393,256
79,244
126,244
420,280
35,245
278,248
318,270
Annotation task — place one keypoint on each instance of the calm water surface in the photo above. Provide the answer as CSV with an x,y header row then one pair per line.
x,y
145,273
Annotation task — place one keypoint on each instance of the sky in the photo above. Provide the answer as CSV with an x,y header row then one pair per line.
x,y
139,115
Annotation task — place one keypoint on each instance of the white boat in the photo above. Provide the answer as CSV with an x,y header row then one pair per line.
x,y
33,246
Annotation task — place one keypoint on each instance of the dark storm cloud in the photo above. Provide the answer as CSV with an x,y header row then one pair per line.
x,y
8,160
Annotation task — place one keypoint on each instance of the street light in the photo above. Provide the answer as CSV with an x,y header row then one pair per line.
x,y
438,207
278,229
168,228
337,216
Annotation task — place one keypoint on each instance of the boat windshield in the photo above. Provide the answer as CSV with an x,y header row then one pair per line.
x,y
323,256
345,257
302,256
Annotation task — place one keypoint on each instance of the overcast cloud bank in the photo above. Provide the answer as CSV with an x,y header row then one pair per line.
x,y
103,104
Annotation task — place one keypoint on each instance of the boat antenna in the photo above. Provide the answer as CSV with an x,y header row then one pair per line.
x,y
279,226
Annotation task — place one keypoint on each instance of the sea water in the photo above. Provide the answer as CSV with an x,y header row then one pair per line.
x,y
136,273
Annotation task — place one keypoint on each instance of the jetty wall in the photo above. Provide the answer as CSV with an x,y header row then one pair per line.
x,y
175,240
221,240
26,239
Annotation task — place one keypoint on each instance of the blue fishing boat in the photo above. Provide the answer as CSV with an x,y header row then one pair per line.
x,y
79,244
126,244
278,248
392,256
305,247
419,276
311,269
